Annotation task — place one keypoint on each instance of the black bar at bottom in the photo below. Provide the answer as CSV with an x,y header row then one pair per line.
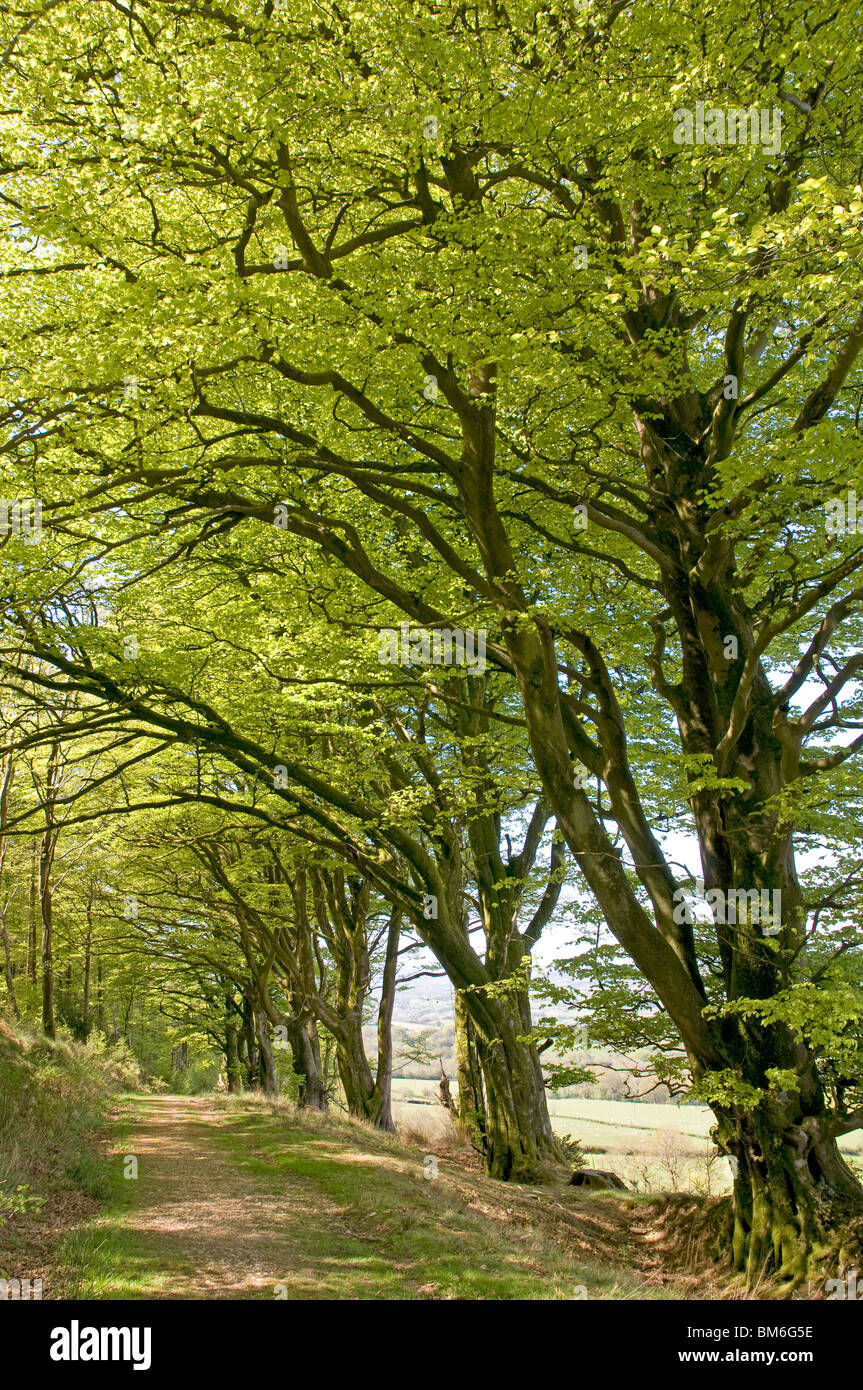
x,y
68,1342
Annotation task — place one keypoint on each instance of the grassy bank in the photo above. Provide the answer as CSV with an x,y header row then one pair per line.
x,y
55,1099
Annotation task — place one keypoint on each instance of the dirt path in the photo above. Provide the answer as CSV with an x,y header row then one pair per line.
x,y
214,1228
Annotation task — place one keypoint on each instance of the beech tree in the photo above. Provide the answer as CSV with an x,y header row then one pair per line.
x,y
542,321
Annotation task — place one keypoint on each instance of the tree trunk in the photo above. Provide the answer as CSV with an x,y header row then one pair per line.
x,y
793,1190
384,1069
508,1108
46,862
471,1096
32,969
232,1054
362,1097
267,1062
248,1050
100,998
519,1142
87,969
444,1092
306,1052
792,1187
6,774
49,1026
7,968
341,908
790,1197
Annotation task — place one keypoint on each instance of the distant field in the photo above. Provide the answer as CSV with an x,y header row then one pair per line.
x,y
650,1146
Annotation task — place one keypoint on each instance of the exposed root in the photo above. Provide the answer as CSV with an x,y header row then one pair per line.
x,y
691,1236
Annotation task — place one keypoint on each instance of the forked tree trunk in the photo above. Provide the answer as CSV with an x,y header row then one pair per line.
x,y
519,1142
306,1060
342,907
364,1099
501,1087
